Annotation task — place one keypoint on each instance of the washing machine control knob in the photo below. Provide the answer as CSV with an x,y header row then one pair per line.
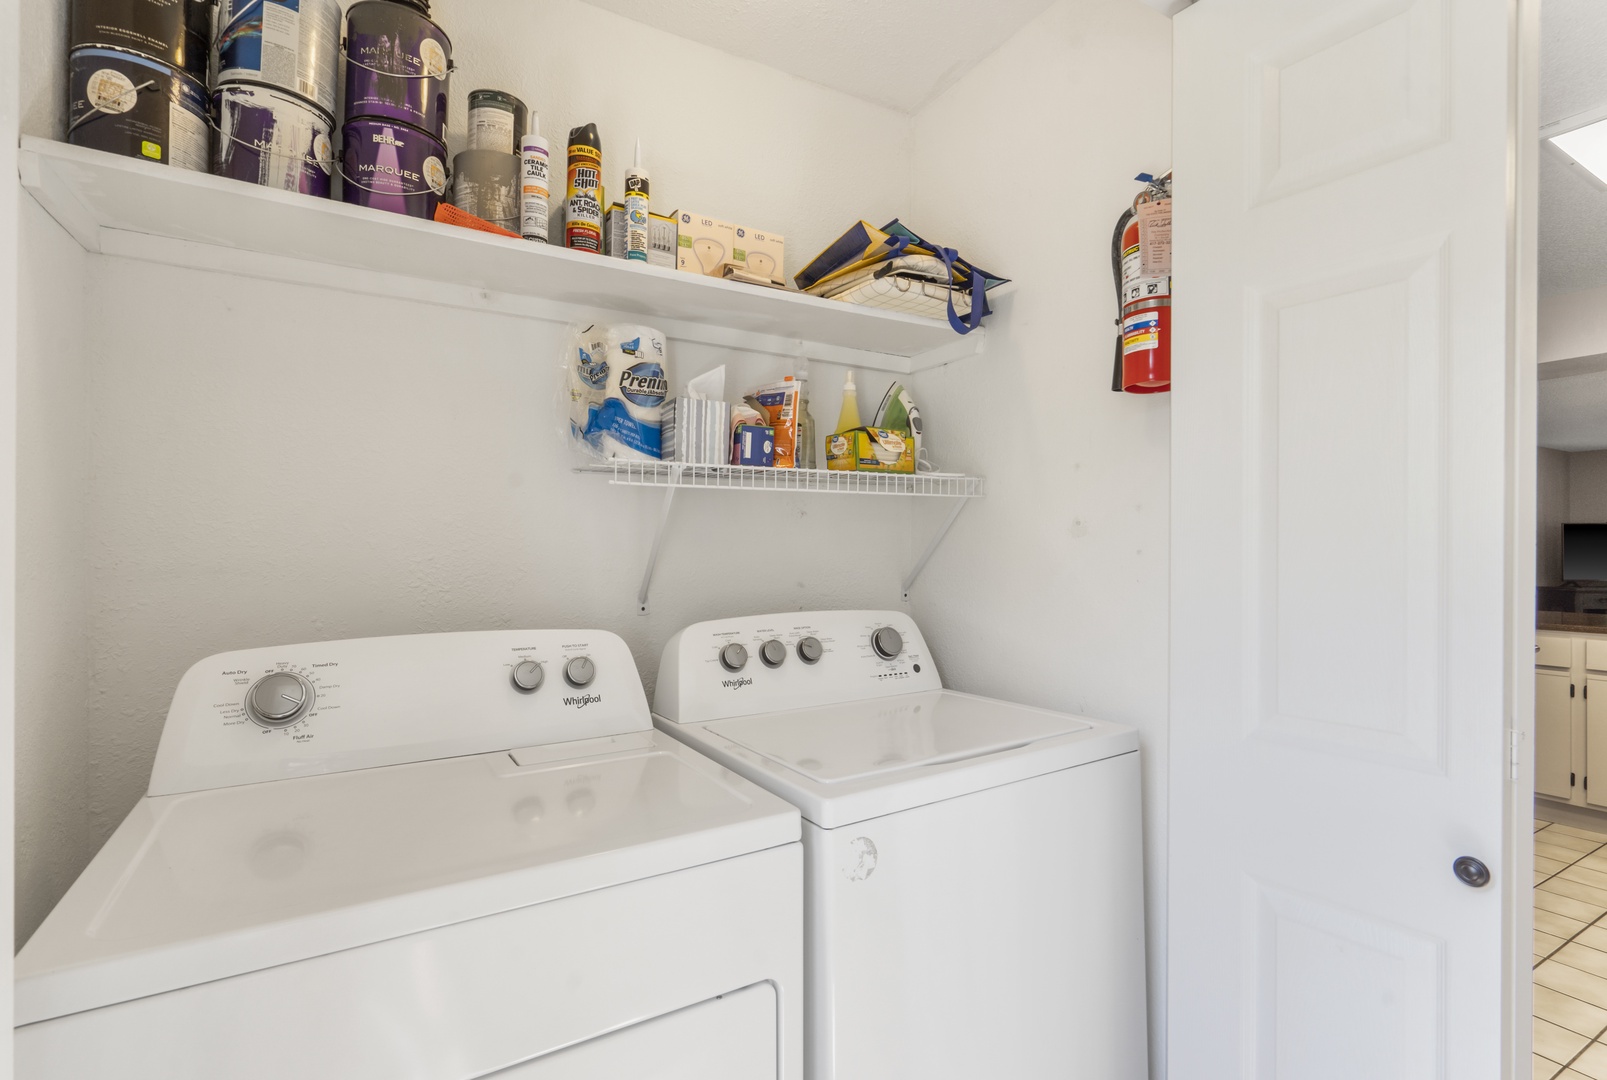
x,y
579,671
810,650
887,642
527,676
773,653
279,700
733,657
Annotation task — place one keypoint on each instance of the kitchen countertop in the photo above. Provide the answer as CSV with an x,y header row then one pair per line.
x,y
1570,623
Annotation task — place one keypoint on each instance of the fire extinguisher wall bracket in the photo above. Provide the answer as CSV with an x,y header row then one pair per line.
x,y
1142,262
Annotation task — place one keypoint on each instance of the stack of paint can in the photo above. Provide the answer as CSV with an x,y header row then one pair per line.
x,y
274,100
393,144
486,178
137,79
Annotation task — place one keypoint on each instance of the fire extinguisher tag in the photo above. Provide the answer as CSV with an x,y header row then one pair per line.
x,y
1155,238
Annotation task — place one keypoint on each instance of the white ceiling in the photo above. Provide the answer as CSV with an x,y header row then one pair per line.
x,y
897,53
1573,211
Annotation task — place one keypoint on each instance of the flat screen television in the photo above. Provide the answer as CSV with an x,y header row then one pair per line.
x,y
1584,552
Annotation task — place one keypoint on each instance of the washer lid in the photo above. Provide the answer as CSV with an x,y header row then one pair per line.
x,y
838,743
850,762
201,886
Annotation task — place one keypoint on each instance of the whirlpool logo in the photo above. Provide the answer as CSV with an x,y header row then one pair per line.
x,y
583,700
736,684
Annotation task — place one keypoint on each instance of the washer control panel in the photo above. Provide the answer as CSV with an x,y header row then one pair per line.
x,y
298,710
806,659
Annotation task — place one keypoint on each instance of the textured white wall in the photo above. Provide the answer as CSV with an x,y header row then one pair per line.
x,y
1053,589
54,802
274,463
1551,511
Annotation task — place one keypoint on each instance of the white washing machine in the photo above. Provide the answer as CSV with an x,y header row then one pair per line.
x,y
975,902
444,856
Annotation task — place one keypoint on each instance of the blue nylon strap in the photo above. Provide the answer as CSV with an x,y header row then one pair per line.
x,y
979,295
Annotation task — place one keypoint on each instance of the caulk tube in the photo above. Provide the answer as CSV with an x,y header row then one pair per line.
x,y
637,205
630,423
583,205
536,184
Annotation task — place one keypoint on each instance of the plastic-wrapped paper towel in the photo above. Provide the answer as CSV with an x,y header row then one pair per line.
x,y
628,427
588,378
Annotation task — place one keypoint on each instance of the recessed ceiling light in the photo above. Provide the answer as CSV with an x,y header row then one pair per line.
x,y
1587,148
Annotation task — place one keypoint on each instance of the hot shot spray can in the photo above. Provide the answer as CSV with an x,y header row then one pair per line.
x,y
583,208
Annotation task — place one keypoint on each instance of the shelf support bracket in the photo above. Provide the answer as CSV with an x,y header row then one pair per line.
x,y
931,549
652,555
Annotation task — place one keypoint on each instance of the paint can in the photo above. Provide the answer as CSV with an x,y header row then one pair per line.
x,y
398,64
392,166
271,137
291,44
497,121
132,105
176,32
486,183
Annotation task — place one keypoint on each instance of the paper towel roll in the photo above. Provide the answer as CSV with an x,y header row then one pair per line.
x,y
630,421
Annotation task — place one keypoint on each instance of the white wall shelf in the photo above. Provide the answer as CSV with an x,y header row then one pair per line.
x,y
122,206
674,477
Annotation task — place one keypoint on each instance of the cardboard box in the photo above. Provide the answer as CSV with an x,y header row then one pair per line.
x,y
762,253
867,449
753,444
661,232
703,244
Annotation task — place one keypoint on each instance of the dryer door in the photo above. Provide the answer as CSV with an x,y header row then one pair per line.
x,y
731,1037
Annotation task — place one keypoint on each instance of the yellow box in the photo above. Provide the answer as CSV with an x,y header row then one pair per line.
x,y
703,244
865,449
763,253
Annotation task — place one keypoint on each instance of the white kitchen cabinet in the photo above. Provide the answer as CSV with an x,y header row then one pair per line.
x,y
1554,772
1570,738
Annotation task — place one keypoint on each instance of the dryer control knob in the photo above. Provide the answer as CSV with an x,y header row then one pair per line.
x,y
773,653
887,642
733,657
579,671
810,650
527,675
279,700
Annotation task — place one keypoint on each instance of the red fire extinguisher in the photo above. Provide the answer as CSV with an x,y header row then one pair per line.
x,y
1141,260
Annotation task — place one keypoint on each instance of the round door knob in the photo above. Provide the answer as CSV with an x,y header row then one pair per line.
x,y
579,672
279,700
1470,871
527,676
733,657
810,650
773,653
887,642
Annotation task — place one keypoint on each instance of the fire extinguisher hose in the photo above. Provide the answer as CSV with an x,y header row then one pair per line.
x,y
1116,271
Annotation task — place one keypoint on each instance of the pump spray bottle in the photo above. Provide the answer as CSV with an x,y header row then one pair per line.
x,y
637,205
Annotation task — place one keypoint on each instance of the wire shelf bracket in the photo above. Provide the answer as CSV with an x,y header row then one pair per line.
x,y
673,477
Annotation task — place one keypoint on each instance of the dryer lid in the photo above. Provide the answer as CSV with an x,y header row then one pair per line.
x,y
202,886
866,740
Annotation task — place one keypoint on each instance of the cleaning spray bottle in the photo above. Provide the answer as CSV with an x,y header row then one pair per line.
x,y
536,185
637,204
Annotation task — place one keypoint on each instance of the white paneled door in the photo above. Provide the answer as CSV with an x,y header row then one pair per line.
x,y
1344,453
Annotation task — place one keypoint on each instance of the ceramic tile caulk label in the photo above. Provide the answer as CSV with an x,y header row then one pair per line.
x,y
629,424
583,207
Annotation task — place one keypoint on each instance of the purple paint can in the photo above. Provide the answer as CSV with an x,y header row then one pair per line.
x,y
139,107
398,64
270,137
392,166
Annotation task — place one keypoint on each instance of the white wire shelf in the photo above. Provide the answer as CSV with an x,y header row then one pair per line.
x,y
669,474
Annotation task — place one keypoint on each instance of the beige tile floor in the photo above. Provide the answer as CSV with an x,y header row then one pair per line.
x,y
1570,953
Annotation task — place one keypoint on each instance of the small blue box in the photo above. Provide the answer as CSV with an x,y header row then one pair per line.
x,y
753,444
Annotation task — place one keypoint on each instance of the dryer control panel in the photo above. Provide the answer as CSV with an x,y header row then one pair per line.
x,y
797,660
334,706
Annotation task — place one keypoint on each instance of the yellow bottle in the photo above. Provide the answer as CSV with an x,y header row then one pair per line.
x,y
848,416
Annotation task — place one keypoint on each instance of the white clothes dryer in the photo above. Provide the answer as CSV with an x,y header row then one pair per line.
x,y
975,902
443,856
